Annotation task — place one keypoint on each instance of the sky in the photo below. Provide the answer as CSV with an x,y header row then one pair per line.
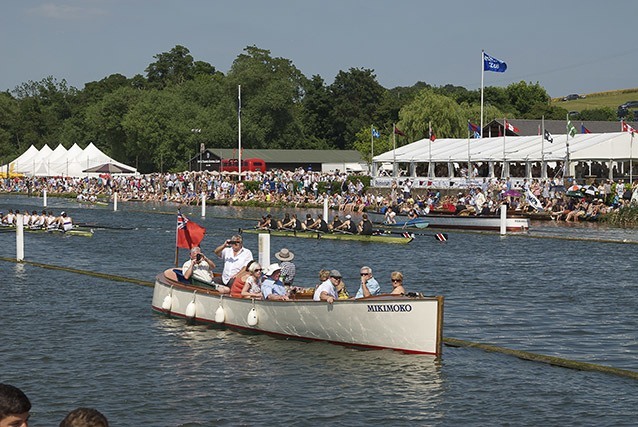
x,y
566,46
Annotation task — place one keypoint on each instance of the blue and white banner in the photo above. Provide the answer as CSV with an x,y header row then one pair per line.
x,y
492,64
533,201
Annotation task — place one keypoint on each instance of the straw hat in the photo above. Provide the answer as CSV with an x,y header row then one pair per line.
x,y
284,255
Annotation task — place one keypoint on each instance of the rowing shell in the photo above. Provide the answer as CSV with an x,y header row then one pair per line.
x,y
73,232
333,236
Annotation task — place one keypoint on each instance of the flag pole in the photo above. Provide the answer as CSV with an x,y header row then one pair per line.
x,y
543,169
469,159
371,143
394,149
176,247
503,174
239,130
482,76
566,166
430,174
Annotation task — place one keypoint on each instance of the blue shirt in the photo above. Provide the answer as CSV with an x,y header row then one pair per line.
x,y
272,287
373,287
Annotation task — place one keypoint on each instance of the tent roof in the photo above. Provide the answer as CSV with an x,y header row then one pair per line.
x,y
582,147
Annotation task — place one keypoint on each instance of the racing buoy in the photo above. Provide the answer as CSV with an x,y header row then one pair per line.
x,y
191,308
252,317
220,314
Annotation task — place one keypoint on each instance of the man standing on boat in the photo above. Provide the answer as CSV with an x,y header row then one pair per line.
x,y
235,257
369,285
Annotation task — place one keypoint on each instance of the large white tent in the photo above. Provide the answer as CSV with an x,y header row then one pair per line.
x,y
611,149
60,162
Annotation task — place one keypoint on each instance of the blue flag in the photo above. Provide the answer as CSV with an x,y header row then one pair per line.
x,y
493,64
375,133
475,130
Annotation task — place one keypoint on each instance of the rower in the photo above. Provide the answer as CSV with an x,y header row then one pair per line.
x,y
64,222
319,224
264,222
347,226
9,219
365,226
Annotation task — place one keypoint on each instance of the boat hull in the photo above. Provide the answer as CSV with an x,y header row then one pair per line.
x,y
410,325
471,222
401,240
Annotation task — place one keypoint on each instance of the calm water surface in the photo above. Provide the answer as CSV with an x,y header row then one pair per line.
x,y
70,340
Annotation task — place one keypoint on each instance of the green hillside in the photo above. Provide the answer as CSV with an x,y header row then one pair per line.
x,y
611,99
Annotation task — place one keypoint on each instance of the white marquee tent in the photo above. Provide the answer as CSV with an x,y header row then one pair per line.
x,y
609,148
60,162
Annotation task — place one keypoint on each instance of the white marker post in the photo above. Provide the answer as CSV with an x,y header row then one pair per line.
x,y
503,219
44,197
264,250
203,204
19,238
325,210
115,201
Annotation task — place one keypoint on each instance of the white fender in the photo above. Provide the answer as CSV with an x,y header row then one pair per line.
x,y
191,308
220,314
252,317
167,303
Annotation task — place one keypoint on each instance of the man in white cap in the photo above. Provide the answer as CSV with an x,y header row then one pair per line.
x,y
288,269
327,291
272,288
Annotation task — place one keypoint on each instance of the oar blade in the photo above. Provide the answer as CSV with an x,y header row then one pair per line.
x,y
441,237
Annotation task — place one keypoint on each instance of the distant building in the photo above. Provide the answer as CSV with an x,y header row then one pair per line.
x,y
316,160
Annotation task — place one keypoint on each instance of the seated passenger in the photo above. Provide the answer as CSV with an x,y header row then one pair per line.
x,y
198,267
252,283
397,283
240,280
272,288
327,291
369,285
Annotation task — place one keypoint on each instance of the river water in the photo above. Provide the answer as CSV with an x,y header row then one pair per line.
x,y
72,340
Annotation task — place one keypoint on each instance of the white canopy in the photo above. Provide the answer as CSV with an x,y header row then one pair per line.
x,y
61,162
616,146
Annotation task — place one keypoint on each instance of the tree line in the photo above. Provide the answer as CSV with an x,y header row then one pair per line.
x,y
158,121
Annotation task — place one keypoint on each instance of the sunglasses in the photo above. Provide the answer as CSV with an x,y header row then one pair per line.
x,y
397,280
365,274
257,269
338,278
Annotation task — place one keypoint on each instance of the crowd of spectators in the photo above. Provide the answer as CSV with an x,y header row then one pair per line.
x,y
345,192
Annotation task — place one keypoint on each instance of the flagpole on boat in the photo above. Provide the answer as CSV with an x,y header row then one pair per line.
x,y
176,240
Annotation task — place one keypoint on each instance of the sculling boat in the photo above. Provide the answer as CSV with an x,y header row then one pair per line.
x,y
376,238
469,222
402,323
82,232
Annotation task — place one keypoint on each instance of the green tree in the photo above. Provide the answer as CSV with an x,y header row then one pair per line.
x,y
364,142
271,92
175,67
315,113
603,114
355,96
523,96
8,118
444,113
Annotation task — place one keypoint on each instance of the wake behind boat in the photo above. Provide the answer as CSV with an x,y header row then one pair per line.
x,y
397,322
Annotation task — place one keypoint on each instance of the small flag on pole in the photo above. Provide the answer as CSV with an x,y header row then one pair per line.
x,y
398,132
583,129
492,64
571,130
510,127
627,128
548,136
375,133
475,130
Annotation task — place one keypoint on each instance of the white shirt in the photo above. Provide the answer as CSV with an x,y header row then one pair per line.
x,y
326,287
233,263
200,272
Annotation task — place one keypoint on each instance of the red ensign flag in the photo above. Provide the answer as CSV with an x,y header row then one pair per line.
x,y
189,234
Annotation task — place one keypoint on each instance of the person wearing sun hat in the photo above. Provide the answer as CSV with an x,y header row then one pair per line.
x,y
272,287
288,269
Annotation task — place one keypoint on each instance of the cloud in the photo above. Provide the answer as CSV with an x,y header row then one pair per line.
x,y
66,11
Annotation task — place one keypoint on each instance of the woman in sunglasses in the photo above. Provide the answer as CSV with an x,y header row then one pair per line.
x,y
397,283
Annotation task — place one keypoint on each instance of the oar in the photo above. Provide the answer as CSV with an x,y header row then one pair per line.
x,y
102,227
441,237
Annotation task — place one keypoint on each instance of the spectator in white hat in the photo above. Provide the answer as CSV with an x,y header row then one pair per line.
x,y
288,269
272,288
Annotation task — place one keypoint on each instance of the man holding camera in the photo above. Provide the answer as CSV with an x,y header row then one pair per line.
x,y
198,267
235,257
